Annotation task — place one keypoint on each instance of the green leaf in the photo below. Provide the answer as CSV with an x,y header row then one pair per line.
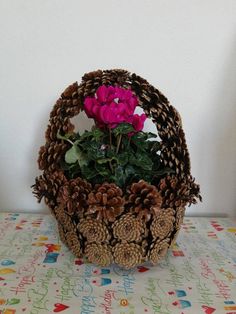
x,y
154,146
141,160
150,135
119,176
88,172
103,170
74,154
123,158
123,128
97,134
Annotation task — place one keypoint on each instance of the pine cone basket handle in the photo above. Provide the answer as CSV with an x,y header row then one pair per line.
x,y
174,150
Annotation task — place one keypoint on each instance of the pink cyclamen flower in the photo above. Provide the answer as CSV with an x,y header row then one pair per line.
x,y
112,106
138,121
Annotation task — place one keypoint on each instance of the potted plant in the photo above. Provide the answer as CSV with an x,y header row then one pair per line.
x,y
118,193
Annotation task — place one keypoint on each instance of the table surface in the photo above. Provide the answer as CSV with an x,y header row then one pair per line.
x,y
39,275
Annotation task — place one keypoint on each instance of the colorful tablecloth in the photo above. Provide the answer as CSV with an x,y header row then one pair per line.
x,y
39,275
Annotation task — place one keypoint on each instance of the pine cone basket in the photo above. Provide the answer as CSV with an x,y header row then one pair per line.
x,y
102,222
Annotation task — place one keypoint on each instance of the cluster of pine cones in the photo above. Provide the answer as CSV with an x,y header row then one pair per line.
x,y
102,222
105,225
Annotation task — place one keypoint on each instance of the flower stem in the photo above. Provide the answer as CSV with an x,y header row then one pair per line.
x,y
70,142
129,141
110,137
118,143
110,165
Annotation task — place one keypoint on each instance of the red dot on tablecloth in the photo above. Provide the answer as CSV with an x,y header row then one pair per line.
x,y
146,310
5,284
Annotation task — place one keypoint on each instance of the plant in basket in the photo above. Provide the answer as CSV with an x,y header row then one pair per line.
x,y
118,193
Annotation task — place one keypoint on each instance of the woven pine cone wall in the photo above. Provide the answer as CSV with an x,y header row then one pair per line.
x,y
102,222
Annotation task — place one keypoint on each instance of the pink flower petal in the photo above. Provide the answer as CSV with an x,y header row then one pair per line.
x,y
138,121
102,93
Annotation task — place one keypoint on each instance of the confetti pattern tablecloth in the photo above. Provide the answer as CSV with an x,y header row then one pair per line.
x,y
39,275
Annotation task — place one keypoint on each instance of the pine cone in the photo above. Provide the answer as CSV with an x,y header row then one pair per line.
x,y
127,255
180,211
94,230
144,199
54,128
106,202
63,218
99,254
47,186
61,233
73,195
158,250
163,224
73,242
51,154
178,193
127,228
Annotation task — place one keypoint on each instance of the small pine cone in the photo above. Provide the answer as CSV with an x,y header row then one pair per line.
x,y
71,91
73,242
61,233
47,186
127,228
52,130
93,230
158,250
51,154
105,202
73,195
144,246
128,255
144,199
63,218
178,193
99,254
163,224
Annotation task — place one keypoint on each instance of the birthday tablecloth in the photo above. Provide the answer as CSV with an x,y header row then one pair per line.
x,y
39,275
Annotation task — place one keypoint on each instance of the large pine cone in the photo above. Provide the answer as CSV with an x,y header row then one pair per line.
x,y
163,224
144,199
99,254
105,202
93,230
128,255
158,250
73,195
128,228
178,193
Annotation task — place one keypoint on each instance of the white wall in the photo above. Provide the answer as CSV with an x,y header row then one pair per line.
x,y
187,48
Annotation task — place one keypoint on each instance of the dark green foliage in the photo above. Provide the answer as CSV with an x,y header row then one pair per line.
x,y
113,156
